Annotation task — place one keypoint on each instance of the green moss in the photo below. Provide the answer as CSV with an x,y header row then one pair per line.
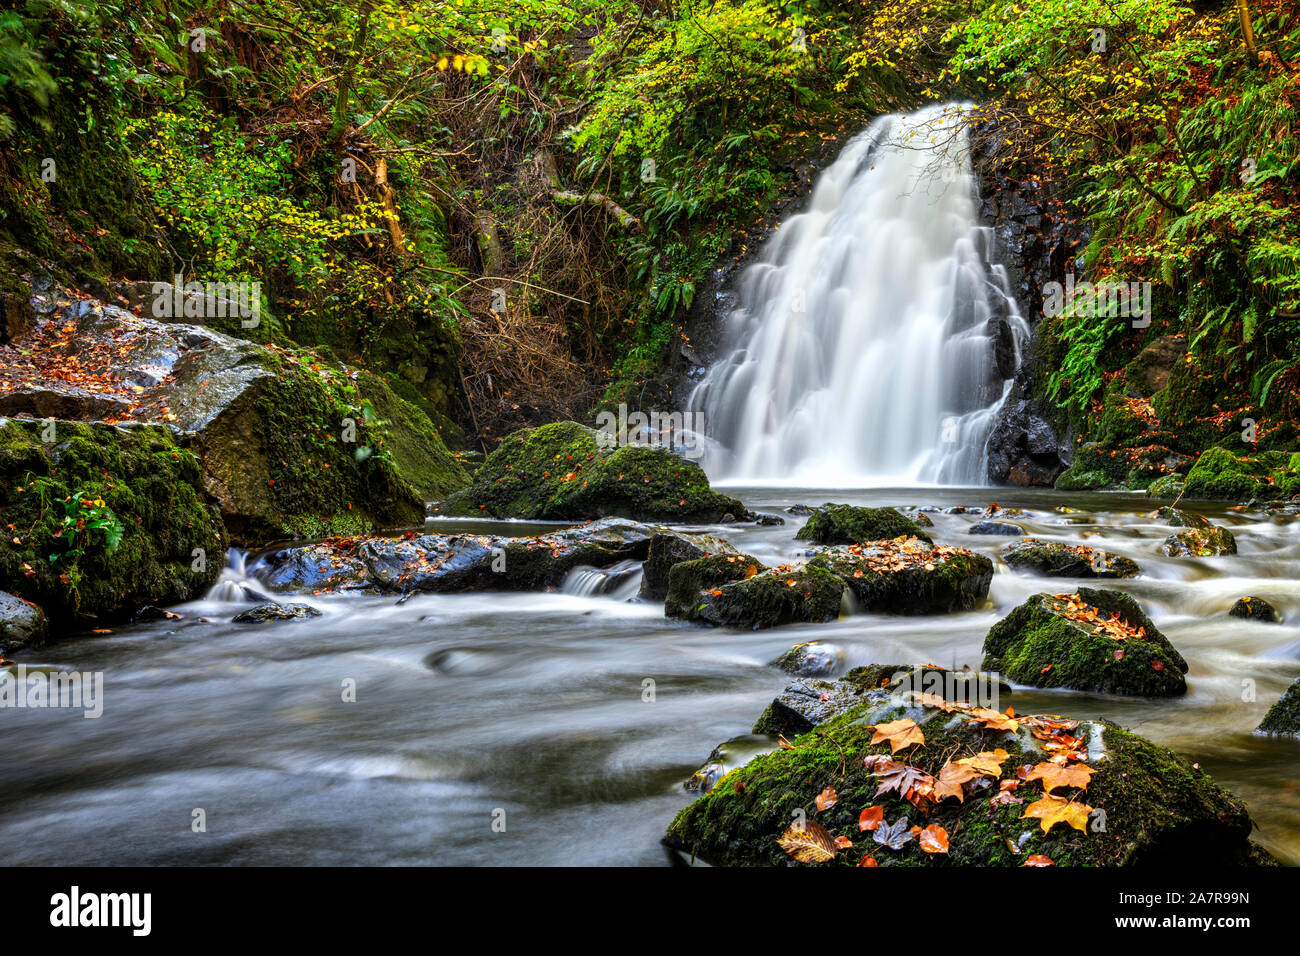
x,y
412,441
728,595
1200,543
1168,488
1078,478
1055,559
1038,646
1284,716
58,550
851,524
563,471
952,581
1218,473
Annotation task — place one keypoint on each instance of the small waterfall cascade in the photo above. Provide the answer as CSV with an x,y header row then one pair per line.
x,y
876,338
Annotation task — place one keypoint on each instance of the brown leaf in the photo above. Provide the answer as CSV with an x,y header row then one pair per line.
x,y
1038,859
808,843
870,818
1050,811
950,782
900,734
1056,775
827,799
934,839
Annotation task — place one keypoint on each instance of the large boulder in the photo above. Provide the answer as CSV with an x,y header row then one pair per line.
x,y
1220,474
1096,640
722,591
1283,718
290,444
851,524
979,787
22,624
454,562
1200,543
909,576
567,471
669,548
1023,448
1058,560
103,519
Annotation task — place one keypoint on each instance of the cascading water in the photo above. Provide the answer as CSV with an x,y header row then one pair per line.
x,y
875,340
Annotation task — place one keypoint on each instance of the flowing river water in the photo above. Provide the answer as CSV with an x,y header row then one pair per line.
x,y
534,704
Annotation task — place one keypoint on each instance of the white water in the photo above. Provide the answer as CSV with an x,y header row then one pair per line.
x,y
859,351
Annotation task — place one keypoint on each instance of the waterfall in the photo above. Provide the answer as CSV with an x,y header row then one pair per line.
x,y
875,339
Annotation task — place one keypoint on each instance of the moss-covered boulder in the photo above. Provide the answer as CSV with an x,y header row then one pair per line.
x,y
1283,718
851,524
909,576
1096,640
809,659
1124,801
1168,488
1180,518
1058,560
784,595
103,519
290,444
1199,543
1255,609
567,471
1222,475
669,548
22,624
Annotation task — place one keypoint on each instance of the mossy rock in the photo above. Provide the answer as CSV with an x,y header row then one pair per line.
x,y
105,519
811,659
1283,718
1078,477
22,624
669,548
1094,466
1219,474
1150,806
852,524
1168,488
1059,560
805,594
898,578
567,471
1180,518
1252,608
413,443
1200,543
1038,645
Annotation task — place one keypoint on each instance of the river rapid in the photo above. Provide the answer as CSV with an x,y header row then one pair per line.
x,y
516,729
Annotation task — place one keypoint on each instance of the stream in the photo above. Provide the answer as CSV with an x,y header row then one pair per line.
x,y
512,729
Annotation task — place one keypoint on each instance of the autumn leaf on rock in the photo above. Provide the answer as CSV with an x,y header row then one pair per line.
x,y
992,720
951,778
987,762
903,780
934,839
809,842
895,835
870,818
1050,811
843,843
1037,859
900,734
827,799
868,861
1056,775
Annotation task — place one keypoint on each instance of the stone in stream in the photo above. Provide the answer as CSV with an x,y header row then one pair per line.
x,y
456,562
1180,518
851,524
22,624
1142,804
810,659
1255,609
264,613
1168,488
1059,560
1097,640
1200,543
731,591
909,576
995,527
669,548
1283,718
567,471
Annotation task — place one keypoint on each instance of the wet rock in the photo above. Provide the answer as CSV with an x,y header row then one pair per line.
x,y
995,527
910,576
456,562
767,520
1055,559
1145,805
1200,543
851,524
22,624
1255,609
812,659
808,702
725,758
567,471
1149,372
264,613
1283,718
1179,518
1168,488
1099,641
799,510
668,548
785,595
1023,448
